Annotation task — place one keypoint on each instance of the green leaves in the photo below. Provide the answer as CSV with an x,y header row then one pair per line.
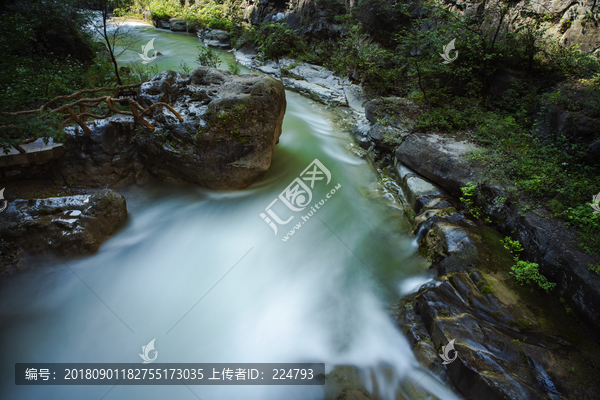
x,y
525,272
528,272
208,57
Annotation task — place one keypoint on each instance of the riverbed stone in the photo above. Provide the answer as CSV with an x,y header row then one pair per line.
x,y
69,225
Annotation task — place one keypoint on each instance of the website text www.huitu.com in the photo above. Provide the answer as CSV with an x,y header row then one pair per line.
x,y
313,211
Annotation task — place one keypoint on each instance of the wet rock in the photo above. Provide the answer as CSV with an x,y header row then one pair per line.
x,y
217,38
387,136
593,156
493,359
418,192
344,383
177,25
11,259
314,81
230,127
107,157
441,159
69,225
163,24
356,97
450,247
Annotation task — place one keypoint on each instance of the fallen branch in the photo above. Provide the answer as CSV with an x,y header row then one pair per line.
x,y
70,116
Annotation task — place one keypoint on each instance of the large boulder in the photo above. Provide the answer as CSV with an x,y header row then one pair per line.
x,y
69,225
106,157
163,24
553,121
231,126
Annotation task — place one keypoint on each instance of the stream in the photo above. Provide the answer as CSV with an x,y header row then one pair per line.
x,y
202,273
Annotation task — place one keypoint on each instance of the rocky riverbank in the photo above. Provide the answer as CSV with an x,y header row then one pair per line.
x,y
512,341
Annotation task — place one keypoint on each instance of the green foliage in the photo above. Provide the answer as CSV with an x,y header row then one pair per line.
x,y
583,97
527,272
277,40
554,173
212,14
234,67
208,57
594,268
165,9
184,68
514,246
587,224
468,200
46,125
359,57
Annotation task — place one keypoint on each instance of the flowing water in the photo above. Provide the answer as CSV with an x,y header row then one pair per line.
x,y
201,272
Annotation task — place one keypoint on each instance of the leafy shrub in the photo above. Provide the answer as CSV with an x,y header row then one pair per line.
x,y
468,200
208,57
277,40
234,67
527,272
165,9
514,246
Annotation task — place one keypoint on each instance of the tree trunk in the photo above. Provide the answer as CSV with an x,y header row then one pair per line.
x,y
421,86
110,48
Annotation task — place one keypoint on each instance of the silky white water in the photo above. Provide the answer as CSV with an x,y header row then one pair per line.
x,y
201,272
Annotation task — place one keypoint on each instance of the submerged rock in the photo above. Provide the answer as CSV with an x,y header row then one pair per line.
x,y
69,225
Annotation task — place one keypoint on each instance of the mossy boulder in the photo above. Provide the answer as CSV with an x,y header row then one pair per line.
x,y
231,126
